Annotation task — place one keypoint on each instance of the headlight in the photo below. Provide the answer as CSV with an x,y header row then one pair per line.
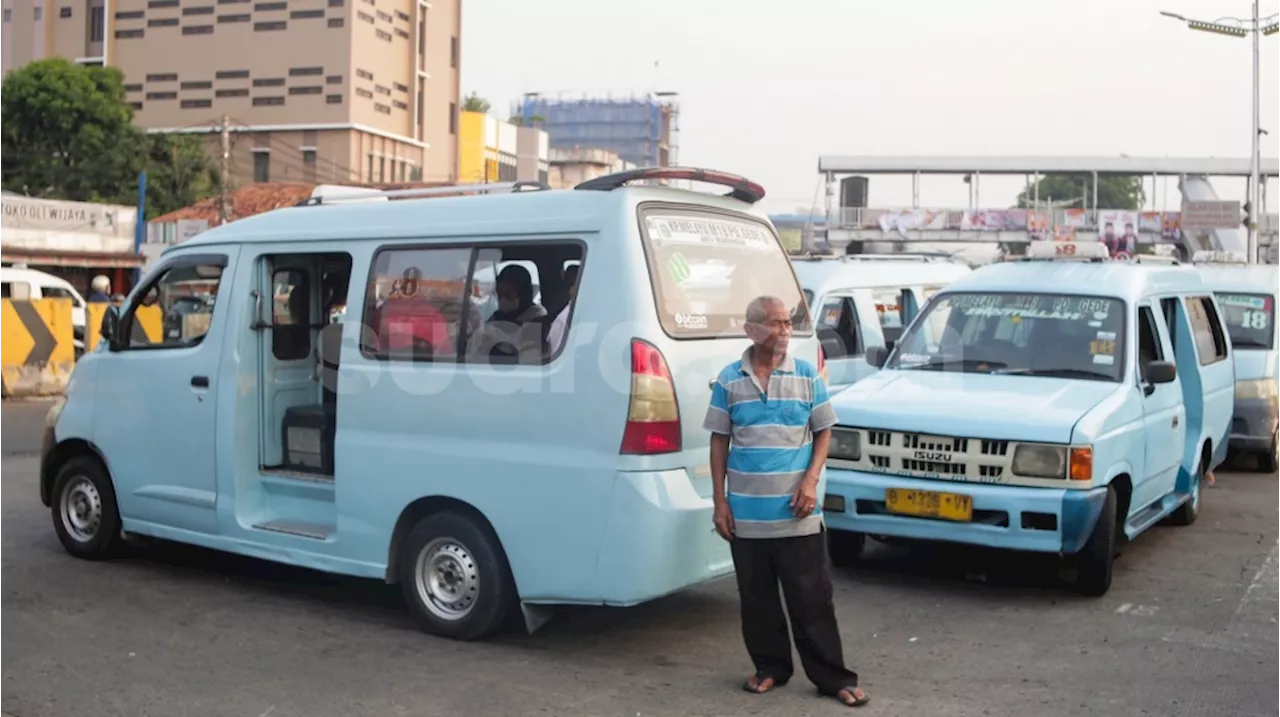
x,y
1040,461
1256,388
846,445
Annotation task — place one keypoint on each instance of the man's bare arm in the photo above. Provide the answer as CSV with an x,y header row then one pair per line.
x,y
719,466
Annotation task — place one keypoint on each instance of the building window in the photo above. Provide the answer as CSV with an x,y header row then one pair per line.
x,y
197,85
162,3
364,16
131,15
64,12
269,26
384,17
337,22
306,14
336,3
384,36
163,22
333,80
400,87
453,118
402,15
261,166
381,90
333,99
269,82
422,38
305,71
267,101
232,74
201,10
361,92
237,92
97,23
197,30
232,2
8,14
162,95
196,104
364,74
309,157
165,77
399,105
129,34
133,88
306,90
453,52
381,109
233,18
38,14
135,106
269,6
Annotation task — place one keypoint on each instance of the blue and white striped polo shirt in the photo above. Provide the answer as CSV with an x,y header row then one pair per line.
x,y
771,442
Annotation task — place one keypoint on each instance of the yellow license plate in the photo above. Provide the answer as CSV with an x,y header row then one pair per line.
x,y
928,504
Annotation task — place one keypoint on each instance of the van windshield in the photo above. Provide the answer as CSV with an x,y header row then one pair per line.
x,y
1249,319
707,266
1025,334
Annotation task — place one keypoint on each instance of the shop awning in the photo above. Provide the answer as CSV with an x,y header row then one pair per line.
x,y
86,259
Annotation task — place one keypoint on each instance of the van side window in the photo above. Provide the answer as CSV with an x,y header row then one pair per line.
x,y
518,292
1148,341
837,324
174,310
890,307
290,315
1170,308
19,290
1211,343
413,308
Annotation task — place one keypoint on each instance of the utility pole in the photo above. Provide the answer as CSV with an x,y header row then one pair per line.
x,y
224,206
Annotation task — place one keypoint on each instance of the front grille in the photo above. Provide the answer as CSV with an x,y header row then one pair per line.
x,y
995,448
945,457
917,442
912,464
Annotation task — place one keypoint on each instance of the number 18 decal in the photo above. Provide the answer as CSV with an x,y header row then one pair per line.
x,y
1254,320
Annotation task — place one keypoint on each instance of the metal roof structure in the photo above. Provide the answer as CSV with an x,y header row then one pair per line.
x,y
1131,166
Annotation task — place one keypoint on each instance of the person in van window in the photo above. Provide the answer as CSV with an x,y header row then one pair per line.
x,y
101,286
555,336
770,421
505,332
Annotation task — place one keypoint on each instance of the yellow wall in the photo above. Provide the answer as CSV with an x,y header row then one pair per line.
x,y
471,148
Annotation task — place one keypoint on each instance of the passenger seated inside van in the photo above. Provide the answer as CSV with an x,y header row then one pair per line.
x,y
514,328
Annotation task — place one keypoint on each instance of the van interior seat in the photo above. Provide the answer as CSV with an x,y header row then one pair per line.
x,y
328,352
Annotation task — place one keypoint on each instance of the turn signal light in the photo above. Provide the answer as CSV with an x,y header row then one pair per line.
x,y
1080,466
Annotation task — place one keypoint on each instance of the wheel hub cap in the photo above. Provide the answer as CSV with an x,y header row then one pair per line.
x,y
81,509
448,579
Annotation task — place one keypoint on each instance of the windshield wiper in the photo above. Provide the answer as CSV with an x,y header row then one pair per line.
x,y
946,363
1056,373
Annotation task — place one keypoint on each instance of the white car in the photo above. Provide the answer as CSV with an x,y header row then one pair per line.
x,y
25,284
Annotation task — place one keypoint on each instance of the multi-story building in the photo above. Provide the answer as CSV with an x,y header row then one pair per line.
x,y
642,130
336,91
490,150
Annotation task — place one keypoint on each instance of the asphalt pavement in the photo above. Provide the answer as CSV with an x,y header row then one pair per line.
x,y
1189,628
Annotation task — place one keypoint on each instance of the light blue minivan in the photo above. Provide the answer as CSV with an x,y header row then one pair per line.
x,y
436,434
1042,405
1248,295
860,301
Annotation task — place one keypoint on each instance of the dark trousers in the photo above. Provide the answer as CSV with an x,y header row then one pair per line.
x,y
801,565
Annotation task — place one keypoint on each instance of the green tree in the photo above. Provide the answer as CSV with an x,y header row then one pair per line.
x,y
475,103
66,132
1114,192
521,121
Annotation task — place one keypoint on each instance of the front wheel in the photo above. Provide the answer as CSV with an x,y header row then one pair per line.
x,y
1187,513
455,577
84,510
1095,559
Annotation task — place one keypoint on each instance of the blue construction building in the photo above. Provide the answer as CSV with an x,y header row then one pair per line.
x,y
640,129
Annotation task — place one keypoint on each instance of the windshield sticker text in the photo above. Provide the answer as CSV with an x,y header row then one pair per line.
x,y
691,321
1102,346
705,232
1256,320
1247,302
913,359
1022,313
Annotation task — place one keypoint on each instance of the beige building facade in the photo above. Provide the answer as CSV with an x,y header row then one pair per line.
x,y
340,91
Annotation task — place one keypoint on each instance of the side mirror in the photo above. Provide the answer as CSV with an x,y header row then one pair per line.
x,y
877,355
1161,372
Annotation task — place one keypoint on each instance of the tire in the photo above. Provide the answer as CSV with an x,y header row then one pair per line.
x,y
1095,559
845,547
84,511
455,577
1268,462
1187,513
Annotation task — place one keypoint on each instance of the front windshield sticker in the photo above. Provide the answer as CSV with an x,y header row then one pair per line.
x,y
672,231
913,359
1256,320
1102,346
1104,360
1107,336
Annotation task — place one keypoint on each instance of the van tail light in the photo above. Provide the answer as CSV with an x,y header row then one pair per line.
x,y
822,364
653,418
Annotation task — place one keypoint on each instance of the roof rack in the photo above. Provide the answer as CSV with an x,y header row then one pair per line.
x,y
743,189
334,193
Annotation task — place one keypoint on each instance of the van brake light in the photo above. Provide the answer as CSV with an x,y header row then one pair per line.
x,y
653,416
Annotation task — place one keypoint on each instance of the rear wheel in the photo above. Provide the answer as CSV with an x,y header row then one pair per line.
x,y
455,577
1095,559
1268,462
84,509
845,547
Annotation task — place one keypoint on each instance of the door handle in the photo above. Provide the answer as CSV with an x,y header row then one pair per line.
x,y
1175,421
200,381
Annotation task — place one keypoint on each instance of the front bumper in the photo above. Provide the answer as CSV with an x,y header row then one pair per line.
x,y
1046,520
1254,424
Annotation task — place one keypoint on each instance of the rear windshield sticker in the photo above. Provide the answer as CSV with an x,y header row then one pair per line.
x,y
691,321
682,231
913,359
678,268
1104,359
1102,348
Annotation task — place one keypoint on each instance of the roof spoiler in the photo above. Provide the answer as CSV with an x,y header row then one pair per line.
x,y
742,188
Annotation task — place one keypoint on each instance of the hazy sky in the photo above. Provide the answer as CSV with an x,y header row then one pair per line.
x,y
768,87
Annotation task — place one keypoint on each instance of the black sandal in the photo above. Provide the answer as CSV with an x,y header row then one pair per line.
x,y
760,678
852,692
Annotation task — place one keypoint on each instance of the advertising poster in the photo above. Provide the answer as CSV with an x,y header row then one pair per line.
x,y
1118,229
1037,225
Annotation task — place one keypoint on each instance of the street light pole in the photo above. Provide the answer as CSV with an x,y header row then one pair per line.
x,y
1252,26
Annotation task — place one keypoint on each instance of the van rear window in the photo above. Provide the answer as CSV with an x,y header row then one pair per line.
x,y
706,266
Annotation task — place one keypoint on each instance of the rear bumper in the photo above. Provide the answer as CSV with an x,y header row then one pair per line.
x,y
658,538
1254,424
1045,520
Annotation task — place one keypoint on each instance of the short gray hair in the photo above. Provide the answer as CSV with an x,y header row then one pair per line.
x,y
758,309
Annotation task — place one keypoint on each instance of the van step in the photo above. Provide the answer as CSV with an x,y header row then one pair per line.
x,y
290,527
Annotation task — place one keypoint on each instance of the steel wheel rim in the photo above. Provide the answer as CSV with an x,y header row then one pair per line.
x,y
448,579
81,509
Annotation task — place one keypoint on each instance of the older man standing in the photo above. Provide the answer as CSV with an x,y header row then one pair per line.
x,y
770,421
